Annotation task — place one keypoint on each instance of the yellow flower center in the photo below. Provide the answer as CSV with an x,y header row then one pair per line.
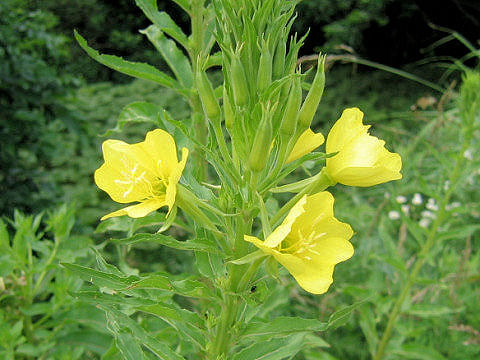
x,y
301,245
141,180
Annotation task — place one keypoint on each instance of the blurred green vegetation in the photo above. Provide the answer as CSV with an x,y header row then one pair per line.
x,y
55,101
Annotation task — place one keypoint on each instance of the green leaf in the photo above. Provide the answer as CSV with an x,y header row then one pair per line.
x,y
341,317
163,21
430,310
281,327
100,278
275,349
197,244
89,339
209,265
137,112
128,347
95,297
4,238
419,352
138,70
175,58
184,4
185,287
184,321
120,320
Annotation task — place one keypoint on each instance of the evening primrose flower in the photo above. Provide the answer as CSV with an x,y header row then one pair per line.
x,y
306,143
362,159
309,242
146,172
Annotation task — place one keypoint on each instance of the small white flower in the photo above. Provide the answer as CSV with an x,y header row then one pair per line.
x,y
401,199
428,214
386,195
406,209
394,215
468,154
453,205
417,199
446,186
431,205
424,223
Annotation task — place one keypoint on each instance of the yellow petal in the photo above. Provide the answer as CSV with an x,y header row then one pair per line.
x,y
362,159
319,218
345,130
174,178
138,210
160,146
126,174
306,143
281,232
316,275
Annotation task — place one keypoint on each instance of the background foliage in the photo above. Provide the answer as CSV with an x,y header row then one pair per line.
x,y
54,101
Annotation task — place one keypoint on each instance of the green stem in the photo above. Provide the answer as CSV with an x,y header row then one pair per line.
x,y
422,255
323,182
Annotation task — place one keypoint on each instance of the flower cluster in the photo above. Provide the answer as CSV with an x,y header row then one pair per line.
x,y
310,241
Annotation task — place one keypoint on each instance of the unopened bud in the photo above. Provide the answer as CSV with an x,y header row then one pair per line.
x,y
261,144
279,60
239,83
207,96
290,115
314,96
264,76
228,111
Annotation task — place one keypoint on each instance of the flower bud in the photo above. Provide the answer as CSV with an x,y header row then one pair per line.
x,y
239,83
279,60
314,96
261,145
290,115
207,96
228,111
264,76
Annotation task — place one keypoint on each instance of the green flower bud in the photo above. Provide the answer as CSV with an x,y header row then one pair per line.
x,y
279,60
261,145
207,96
239,83
314,96
264,76
228,111
291,113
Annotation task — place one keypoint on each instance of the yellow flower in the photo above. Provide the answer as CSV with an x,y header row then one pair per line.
x,y
306,143
362,159
309,242
147,172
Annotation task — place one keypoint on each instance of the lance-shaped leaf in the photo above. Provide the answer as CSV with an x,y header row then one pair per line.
x,y
280,327
135,69
119,320
197,244
137,112
163,21
187,323
275,349
175,58
185,287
